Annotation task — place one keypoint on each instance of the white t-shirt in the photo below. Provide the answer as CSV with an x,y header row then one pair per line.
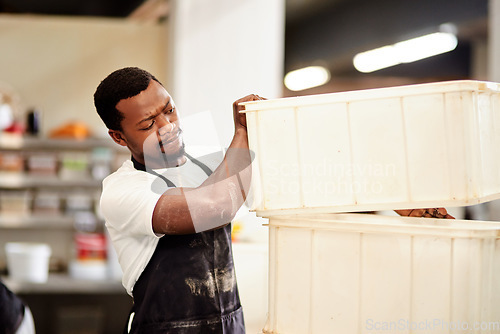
x,y
128,199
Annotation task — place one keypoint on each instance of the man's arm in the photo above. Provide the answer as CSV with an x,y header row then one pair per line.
x,y
215,202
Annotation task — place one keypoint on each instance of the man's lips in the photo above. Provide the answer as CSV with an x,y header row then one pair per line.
x,y
164,141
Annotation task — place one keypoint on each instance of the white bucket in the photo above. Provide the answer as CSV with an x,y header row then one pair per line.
x,y
28,262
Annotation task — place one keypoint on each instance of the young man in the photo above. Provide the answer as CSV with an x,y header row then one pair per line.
x,y
168,214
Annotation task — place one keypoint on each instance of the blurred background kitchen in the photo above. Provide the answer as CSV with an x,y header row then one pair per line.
x,y
54,151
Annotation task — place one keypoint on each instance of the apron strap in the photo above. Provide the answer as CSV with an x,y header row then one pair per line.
x,y
200,164
170,184
139,166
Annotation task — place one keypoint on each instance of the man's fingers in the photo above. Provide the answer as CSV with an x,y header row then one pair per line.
x,y
426,213
252,97
418,213
440,213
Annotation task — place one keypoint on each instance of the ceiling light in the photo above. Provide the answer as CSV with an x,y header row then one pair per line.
x,y
405,52
307,77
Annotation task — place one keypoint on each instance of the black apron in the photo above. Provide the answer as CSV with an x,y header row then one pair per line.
x,y
189,284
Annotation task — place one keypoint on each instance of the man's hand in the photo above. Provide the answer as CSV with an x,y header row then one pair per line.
x,y
425,213
239,118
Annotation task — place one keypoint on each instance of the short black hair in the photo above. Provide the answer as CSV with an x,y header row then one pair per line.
x,y
121,84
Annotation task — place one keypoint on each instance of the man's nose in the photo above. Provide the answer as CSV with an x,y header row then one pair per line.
x,y
165,126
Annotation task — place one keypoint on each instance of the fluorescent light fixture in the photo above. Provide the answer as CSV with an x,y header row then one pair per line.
x,y
307,77
405,52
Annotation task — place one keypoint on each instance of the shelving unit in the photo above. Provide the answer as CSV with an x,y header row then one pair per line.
x,y
20,220
64,299
64,305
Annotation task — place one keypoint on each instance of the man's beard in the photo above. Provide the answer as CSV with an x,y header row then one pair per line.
x,y
161,158
169,159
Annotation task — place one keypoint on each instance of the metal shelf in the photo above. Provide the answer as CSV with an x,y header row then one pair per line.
x,y
15,221
15,142
21,180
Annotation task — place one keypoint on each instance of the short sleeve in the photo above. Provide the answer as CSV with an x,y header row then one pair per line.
x,y
128,201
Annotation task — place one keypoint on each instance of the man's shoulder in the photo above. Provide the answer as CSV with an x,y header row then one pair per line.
x,y
123,169
126,190
125,173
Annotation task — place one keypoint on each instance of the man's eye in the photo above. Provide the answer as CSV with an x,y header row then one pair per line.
x,y
149,126
169,111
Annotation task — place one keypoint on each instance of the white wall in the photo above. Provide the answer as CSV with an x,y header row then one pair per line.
x,y
494,40
491,210
224,50
56,63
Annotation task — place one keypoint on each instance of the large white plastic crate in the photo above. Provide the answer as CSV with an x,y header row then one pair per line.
x,y
360,273
388,148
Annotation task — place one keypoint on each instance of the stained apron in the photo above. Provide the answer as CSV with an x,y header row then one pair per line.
x,y
189,285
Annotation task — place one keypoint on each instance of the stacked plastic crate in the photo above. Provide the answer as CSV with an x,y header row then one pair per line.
x,y
418,146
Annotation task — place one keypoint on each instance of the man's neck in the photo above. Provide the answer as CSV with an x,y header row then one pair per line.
x,y
168,162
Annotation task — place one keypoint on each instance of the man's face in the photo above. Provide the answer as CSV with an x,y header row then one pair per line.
x,y
151,128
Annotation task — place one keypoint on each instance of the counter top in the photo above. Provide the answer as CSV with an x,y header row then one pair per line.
x,y
64,284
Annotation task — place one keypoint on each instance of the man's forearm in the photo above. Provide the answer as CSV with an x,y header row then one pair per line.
x,y
215,202
228,187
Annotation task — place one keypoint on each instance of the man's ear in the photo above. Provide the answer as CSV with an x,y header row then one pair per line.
x,y
118,137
